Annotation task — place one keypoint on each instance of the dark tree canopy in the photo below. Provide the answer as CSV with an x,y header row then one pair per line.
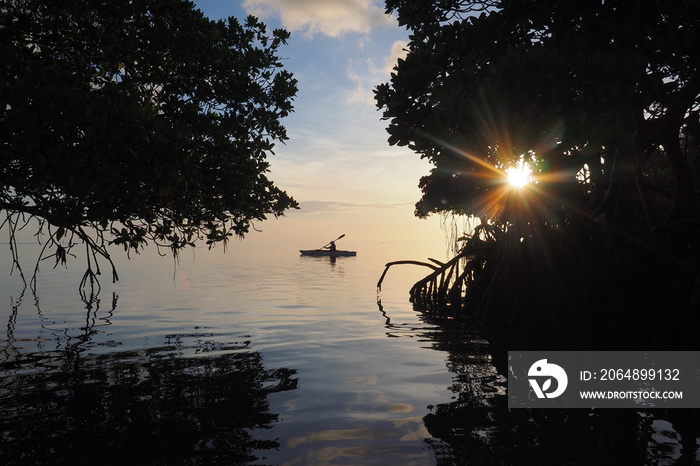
x,y
129,121
604,94
602,99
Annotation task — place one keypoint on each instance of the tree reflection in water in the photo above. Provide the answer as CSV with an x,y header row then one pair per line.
x,y
193,400
477,427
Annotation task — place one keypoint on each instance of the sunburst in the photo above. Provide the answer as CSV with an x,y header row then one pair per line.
x,y
519,175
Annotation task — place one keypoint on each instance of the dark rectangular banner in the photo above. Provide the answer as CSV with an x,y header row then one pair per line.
x,y
604,379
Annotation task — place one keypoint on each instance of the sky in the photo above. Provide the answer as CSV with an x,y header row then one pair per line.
x,y
337,162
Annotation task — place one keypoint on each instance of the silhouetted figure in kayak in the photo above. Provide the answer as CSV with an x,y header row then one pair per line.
x,y
332,246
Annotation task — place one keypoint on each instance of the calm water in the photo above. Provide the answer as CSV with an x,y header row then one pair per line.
x,y
260,356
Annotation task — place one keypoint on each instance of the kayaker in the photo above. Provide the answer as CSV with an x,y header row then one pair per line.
x,y
332,246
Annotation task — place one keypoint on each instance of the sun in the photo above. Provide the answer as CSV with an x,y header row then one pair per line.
x,y
519,175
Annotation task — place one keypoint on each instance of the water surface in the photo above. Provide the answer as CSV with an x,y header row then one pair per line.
x,y
343,379
261,356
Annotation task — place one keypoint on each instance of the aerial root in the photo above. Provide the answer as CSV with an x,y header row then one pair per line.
x,y
442,287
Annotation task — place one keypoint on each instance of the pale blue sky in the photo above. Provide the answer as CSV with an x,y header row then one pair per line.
x,y
337,162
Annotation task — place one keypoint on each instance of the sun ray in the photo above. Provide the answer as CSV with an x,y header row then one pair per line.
x,y
519,193
519,175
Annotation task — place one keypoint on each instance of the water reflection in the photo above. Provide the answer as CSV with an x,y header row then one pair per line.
x,y
198,398
476,426
76,337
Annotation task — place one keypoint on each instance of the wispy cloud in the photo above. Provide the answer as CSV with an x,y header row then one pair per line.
x,y
398,50
329,17
371,74
362,94
312,207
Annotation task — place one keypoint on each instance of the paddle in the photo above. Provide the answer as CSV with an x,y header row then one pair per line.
x,y
329,243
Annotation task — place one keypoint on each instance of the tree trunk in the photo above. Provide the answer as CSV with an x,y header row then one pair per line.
x,y
684,200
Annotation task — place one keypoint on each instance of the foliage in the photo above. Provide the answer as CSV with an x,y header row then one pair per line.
x,y
602,99
126,122
586,86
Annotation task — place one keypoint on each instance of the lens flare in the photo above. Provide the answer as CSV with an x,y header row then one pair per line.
x,y
519,175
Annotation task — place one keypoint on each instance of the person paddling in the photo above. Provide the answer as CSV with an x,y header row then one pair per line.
x,y
331,246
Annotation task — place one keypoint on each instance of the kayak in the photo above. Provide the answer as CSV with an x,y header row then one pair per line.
x,y
326,252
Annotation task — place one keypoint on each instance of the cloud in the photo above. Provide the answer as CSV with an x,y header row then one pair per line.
x,y
372,74
329,17
312,207
362,94
398,50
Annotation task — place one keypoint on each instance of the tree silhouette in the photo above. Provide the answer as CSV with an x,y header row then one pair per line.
x,y
602,100
130,122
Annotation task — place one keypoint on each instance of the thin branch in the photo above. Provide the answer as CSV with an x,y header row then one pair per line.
x,y
386,269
